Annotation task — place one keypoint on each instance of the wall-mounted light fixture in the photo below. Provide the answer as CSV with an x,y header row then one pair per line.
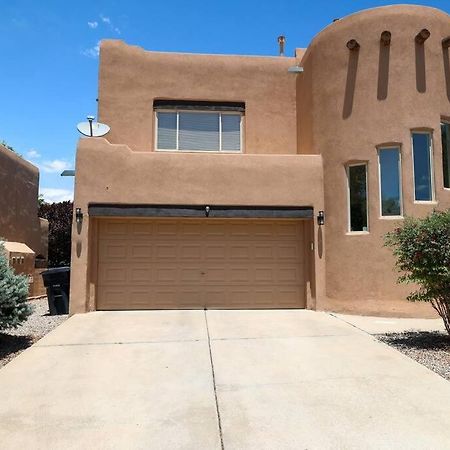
x,y
78,215
207,210
320,218
446,42
385,38
353,44
422,36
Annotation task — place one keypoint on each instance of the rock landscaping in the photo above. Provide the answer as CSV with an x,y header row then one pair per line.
x,y
15,341
430,348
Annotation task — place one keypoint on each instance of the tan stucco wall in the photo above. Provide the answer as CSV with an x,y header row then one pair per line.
x,y
300,132
358,269
123,176
19,186
131,78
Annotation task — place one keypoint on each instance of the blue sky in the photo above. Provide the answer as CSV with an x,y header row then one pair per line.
x,y
48,80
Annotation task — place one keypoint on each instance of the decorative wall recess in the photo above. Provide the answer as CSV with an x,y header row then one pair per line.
x,y
386,38
353,44
422,36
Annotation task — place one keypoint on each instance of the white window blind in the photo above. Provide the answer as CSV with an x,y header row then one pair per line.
x,y
231,132
167,130
198,131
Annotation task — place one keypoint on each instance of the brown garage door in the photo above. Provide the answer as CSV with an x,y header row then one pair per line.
x,y
197,263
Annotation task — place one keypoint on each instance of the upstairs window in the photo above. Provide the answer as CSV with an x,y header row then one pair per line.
x,y
423,168
390,185
445,135
199,126
357,197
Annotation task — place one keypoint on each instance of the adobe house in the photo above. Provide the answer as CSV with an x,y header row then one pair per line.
x,y
26,234
264,182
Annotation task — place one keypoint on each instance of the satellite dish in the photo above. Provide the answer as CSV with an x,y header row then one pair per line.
x,y
92,129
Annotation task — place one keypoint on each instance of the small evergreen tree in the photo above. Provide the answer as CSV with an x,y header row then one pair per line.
x,y
14,307
422,249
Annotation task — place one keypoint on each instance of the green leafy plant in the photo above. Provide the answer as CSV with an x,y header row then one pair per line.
x,y
422,249
59,216
14,307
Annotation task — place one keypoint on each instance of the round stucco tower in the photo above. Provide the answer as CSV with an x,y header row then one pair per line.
x,y
356,101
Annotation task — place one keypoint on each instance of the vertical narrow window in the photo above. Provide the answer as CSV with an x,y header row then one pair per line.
x,y
357,195
423,175
390,186
445,134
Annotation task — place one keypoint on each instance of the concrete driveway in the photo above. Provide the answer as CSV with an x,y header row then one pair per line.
x,y
287,379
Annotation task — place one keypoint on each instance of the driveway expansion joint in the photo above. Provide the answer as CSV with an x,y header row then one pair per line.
x,y
78,344
219,422
261,338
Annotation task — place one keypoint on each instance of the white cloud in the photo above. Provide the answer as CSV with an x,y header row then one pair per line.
x,y
105,19
55,166
33,154
108,21
55,195
92,52
93,24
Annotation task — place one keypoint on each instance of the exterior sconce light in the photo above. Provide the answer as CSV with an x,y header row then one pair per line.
x,y
422,36
320,218
446,42
78,215
207,210
386,38
352,44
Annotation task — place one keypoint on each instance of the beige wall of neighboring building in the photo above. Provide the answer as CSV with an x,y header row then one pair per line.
x,y
19,219
300,132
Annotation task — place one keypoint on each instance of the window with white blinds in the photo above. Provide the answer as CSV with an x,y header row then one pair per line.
x,y
198,131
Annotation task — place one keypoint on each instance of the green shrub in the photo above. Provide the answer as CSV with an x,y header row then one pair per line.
x,y
14,307
422,249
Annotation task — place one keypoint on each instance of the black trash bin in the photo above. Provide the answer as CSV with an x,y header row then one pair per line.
x,y
57,282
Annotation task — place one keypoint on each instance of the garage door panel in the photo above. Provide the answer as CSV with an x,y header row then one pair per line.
x,y
114,229
197,263
191,251
214,251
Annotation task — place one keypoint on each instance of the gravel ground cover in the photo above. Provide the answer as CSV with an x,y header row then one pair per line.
x,y
430,348
13,342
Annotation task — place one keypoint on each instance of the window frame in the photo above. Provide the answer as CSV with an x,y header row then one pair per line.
x,y
444,121
198,111
429,133
400,181
349,216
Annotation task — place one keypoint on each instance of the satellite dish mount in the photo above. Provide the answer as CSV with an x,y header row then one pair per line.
x,y
92,129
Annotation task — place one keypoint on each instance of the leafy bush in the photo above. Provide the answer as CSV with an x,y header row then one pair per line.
x,y
422,249
14,307
59,216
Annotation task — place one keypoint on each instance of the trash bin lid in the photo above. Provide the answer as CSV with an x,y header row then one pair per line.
x,y
56,270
